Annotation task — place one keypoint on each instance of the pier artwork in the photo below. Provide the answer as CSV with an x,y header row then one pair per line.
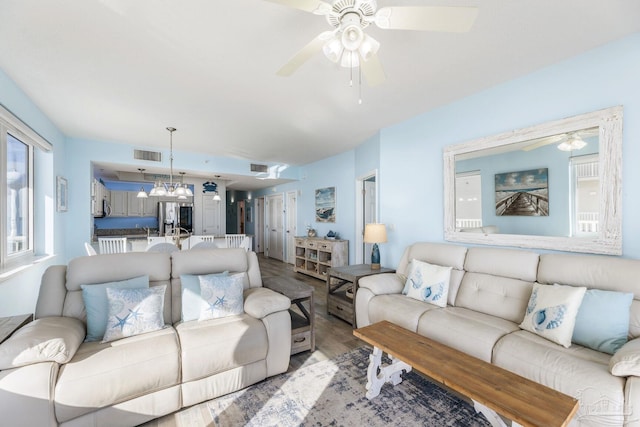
x,y
524,193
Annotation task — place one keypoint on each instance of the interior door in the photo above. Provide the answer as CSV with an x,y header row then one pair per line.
x,y
259,226
275,227
291,226
210,216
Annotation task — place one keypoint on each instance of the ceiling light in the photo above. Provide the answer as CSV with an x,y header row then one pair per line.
x,y
171,189
142,194
573,142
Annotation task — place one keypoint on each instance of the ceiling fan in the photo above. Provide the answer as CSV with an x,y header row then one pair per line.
x,y
348,45
569,141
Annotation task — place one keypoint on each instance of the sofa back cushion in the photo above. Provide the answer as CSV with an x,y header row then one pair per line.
x,y
208,261
88,270
443,254
498,282
596,272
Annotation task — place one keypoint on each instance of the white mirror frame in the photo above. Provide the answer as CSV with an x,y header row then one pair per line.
x,y
609,240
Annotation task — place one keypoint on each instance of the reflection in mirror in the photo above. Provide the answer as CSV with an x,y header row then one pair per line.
x,y
540,187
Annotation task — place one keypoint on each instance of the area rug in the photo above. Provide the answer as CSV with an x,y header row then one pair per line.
x,y
332,393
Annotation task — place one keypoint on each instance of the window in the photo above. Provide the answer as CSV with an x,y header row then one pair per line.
x,y
586,195
17,144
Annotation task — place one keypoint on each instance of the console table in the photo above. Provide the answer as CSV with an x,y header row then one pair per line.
x,y
315,255
8,325
340,303
302,325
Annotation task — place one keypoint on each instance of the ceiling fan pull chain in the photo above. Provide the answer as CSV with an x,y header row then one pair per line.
x,y
360,85
351,69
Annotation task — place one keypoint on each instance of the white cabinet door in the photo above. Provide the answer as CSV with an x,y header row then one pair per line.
x,y
150,206
119,203
134,205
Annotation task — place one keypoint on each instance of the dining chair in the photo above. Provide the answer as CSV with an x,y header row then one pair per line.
x,y
112,245
234,240
90,250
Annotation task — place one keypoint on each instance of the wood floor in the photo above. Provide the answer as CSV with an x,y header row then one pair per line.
x,y
333,337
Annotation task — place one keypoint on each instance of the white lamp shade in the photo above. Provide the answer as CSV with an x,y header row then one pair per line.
x,y
375,233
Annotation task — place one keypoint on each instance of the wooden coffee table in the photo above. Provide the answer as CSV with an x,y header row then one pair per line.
x,y
492,389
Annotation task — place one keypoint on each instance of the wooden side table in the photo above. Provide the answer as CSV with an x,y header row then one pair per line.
x,y
302,326
340,303
10,324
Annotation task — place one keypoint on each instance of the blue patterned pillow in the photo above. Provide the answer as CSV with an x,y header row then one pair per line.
x,y
427,282
222,296
602,322
552,310
134,311
191,299
95,303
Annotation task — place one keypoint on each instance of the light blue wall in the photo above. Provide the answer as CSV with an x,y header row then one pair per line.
x,y
18,292
411,184
407,155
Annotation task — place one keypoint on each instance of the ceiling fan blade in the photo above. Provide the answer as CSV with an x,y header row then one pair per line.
x,y
304,54
427,18
372,70
541,142
318,7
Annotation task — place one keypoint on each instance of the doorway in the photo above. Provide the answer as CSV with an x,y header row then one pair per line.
x,y
259,225
366,212
210,216
274,245
292,227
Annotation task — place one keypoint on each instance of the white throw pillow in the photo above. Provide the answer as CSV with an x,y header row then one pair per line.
x,y
222,296
427,282
134,312
552,310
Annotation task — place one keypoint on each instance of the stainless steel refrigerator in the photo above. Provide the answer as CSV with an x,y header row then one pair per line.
x,y
173,216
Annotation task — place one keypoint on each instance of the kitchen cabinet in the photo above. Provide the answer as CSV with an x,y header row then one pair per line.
x,y
119,203
99,193
141,207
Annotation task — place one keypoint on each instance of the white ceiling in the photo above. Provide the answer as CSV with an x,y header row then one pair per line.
x,y
123,70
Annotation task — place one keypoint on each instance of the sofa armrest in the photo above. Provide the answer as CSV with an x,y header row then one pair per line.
x,y
50,339
626,361
261,302
381,284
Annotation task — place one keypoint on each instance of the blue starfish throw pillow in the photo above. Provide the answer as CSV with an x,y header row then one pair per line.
x,y
552,310
222,296
134,311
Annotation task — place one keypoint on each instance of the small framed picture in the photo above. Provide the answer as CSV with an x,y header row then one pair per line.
x,y
62,195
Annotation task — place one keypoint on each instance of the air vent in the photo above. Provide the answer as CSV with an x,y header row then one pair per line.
x,y
153,156
259,168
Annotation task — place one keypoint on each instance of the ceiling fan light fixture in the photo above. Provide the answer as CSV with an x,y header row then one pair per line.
x,y
352,37
573,142
333,49
368,47
350,59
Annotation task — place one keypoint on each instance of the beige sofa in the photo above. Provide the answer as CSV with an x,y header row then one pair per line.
x,y
135,379
489,293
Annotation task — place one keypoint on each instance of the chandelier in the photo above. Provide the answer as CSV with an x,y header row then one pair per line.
x,y
169,189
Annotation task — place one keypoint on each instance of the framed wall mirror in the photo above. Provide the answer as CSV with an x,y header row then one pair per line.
x,y
552,186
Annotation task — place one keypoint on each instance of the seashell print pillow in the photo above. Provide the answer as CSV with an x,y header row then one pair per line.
x,y
427,282
552,310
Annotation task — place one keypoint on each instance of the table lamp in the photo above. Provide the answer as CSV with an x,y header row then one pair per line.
x,y
375,233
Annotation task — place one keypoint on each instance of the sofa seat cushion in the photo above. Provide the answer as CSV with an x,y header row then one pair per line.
x,y
398,309
466,330
577,371
103,374
217,345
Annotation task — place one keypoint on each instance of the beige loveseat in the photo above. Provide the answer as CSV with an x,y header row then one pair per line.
x,y
135,379
489,294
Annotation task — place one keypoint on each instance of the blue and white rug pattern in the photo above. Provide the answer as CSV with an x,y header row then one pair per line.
x,y
332,393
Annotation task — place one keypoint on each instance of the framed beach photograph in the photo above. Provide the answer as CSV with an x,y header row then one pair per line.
x,y
523,193
326,204
62,195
